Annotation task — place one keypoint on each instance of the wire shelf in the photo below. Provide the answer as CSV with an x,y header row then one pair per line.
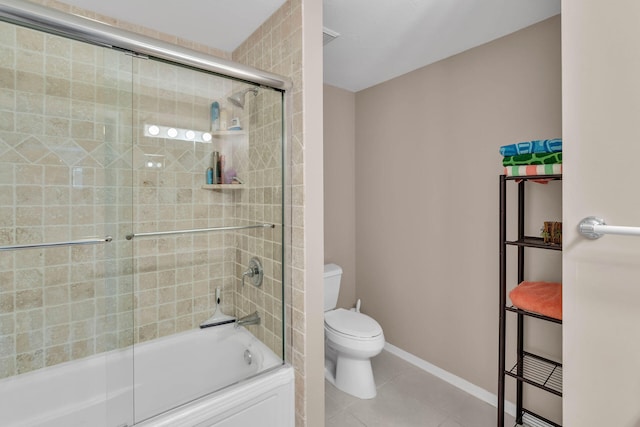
x,y
534,242
539,372
533,314
531,419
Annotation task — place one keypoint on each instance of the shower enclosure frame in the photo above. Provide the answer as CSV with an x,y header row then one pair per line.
x,y
55,22
74,27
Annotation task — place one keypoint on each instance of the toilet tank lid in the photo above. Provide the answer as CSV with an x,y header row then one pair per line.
x,y
332,270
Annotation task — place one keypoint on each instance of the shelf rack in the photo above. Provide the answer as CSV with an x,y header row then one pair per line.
x,y
534,242
530,368
538,371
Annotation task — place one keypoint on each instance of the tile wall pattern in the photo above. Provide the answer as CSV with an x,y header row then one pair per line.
x,y
176,276
276,46
65,150
83,301
261,203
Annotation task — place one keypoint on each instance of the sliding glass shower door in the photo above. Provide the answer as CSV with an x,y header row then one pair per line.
x,y
207,197
134,193
66,286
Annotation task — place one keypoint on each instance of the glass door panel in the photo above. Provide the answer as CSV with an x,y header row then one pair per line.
x,y
65,304
207,155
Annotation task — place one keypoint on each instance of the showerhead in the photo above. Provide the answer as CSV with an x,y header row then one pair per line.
x,y
237,98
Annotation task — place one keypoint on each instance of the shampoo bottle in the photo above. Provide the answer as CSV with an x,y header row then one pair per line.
x,y
215,167
215,116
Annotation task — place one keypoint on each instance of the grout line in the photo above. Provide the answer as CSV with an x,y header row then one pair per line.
x,y
462,384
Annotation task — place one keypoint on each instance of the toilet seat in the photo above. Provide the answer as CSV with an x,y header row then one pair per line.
x,y
352,324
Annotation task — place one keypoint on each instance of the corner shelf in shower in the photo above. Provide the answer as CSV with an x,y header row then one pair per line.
x,y
228,132
222,187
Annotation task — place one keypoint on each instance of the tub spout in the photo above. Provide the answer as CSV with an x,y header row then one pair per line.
x,y
251,319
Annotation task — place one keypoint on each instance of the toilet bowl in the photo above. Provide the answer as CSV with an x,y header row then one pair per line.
x,y
351,340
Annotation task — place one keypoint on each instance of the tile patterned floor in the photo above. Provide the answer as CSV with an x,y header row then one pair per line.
x,y
407,397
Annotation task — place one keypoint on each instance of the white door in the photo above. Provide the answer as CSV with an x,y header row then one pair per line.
x,y
601,278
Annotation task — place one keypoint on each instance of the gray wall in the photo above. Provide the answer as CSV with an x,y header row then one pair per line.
x,y
426,193
340,188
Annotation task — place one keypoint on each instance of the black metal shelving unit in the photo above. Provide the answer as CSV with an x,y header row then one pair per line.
x,y
530,368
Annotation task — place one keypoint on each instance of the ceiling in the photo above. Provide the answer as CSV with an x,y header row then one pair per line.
x,y
223,24
379,39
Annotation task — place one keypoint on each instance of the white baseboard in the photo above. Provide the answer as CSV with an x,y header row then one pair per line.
x,y
462,384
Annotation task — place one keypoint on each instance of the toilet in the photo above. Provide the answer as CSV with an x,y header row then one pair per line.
x,y
351,339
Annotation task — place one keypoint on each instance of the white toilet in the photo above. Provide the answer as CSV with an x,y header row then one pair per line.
x,y
351,339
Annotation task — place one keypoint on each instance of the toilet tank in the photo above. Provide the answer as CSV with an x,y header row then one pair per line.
x,y
332,276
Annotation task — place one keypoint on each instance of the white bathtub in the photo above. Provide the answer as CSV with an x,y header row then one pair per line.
x,y
170,374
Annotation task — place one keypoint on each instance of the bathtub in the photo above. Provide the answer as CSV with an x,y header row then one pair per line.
x,y
170,381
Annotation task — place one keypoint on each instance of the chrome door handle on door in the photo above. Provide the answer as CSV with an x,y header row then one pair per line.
x,y
593,228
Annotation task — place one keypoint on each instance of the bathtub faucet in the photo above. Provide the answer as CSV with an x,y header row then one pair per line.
x,y
251,319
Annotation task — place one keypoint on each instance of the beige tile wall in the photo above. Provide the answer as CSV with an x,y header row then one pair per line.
x,y
75,302
276,46
62,179
261,203
55,4
176,276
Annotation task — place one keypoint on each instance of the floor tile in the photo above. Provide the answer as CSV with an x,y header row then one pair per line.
x,y
450,423
475,413
393,408
387,366
343,419
407,397
337,400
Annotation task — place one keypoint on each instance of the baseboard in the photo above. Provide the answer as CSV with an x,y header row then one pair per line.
x,y
462,384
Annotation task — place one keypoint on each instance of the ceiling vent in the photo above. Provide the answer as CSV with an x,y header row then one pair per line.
x,y
328,36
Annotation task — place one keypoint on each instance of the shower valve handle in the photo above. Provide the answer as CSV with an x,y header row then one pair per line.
x,y
250,272
254,272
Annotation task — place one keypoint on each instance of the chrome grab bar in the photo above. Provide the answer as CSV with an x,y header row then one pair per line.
x,y
593,228
107,239
198,230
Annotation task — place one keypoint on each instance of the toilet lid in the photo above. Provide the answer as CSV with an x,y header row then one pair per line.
x,y
352,323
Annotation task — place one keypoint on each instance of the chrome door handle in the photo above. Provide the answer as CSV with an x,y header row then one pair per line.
x,y
593,228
